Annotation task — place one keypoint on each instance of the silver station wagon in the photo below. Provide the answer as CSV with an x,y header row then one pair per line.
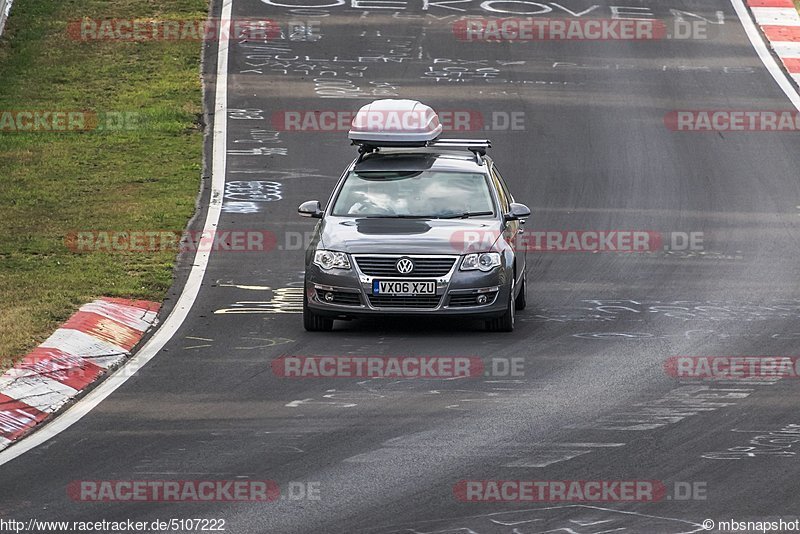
x,y
416,225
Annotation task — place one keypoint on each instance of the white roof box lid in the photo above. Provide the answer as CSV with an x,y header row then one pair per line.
x,y
395,122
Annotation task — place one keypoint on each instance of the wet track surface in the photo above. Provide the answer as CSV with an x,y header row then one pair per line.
x,y
593,402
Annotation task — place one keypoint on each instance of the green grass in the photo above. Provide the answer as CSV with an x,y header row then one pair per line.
x,y
54,183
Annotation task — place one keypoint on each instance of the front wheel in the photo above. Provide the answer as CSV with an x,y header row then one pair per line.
x,y
313,322
504,323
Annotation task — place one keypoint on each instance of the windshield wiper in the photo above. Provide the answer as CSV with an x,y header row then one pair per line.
x,y
466,215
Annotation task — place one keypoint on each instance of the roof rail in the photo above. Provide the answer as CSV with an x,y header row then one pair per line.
x,y
476,146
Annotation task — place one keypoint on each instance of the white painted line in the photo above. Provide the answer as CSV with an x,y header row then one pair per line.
x,y
44,394
796,78
5,9
786,49
764,54
190,290
776,16
81,344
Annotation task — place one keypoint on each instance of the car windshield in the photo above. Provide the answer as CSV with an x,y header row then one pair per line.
x,y
424,194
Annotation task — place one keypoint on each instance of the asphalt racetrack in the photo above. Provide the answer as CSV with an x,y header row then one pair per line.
x,y
579,133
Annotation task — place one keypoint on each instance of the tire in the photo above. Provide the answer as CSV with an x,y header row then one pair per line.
x,y
504,323
313,322
520,303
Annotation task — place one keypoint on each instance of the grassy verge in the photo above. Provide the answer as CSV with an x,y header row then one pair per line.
x,y
52,183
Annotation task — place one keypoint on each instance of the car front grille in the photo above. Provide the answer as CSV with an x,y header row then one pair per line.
x,y
388,301
424,267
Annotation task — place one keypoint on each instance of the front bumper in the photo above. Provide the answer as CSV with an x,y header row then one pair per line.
x,y
348,293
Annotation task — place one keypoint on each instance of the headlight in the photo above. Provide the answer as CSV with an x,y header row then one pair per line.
x,y
328,259
485,261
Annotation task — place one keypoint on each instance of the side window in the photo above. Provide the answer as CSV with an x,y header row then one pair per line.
x,y
502,193
508,194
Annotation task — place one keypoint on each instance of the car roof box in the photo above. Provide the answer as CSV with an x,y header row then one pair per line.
x,y
395,122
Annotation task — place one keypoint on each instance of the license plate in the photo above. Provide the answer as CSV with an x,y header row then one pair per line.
x,y
403,287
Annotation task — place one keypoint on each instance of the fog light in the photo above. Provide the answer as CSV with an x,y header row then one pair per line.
x,y
329,297
482,299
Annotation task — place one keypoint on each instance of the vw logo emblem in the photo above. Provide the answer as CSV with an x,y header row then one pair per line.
x,y
404,266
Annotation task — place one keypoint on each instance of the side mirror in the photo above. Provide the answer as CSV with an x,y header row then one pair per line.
x,y
310,208
518,211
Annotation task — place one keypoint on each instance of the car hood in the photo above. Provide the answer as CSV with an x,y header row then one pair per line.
x,y
408,236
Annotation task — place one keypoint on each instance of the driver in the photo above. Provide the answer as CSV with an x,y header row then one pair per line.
x,y
373,199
